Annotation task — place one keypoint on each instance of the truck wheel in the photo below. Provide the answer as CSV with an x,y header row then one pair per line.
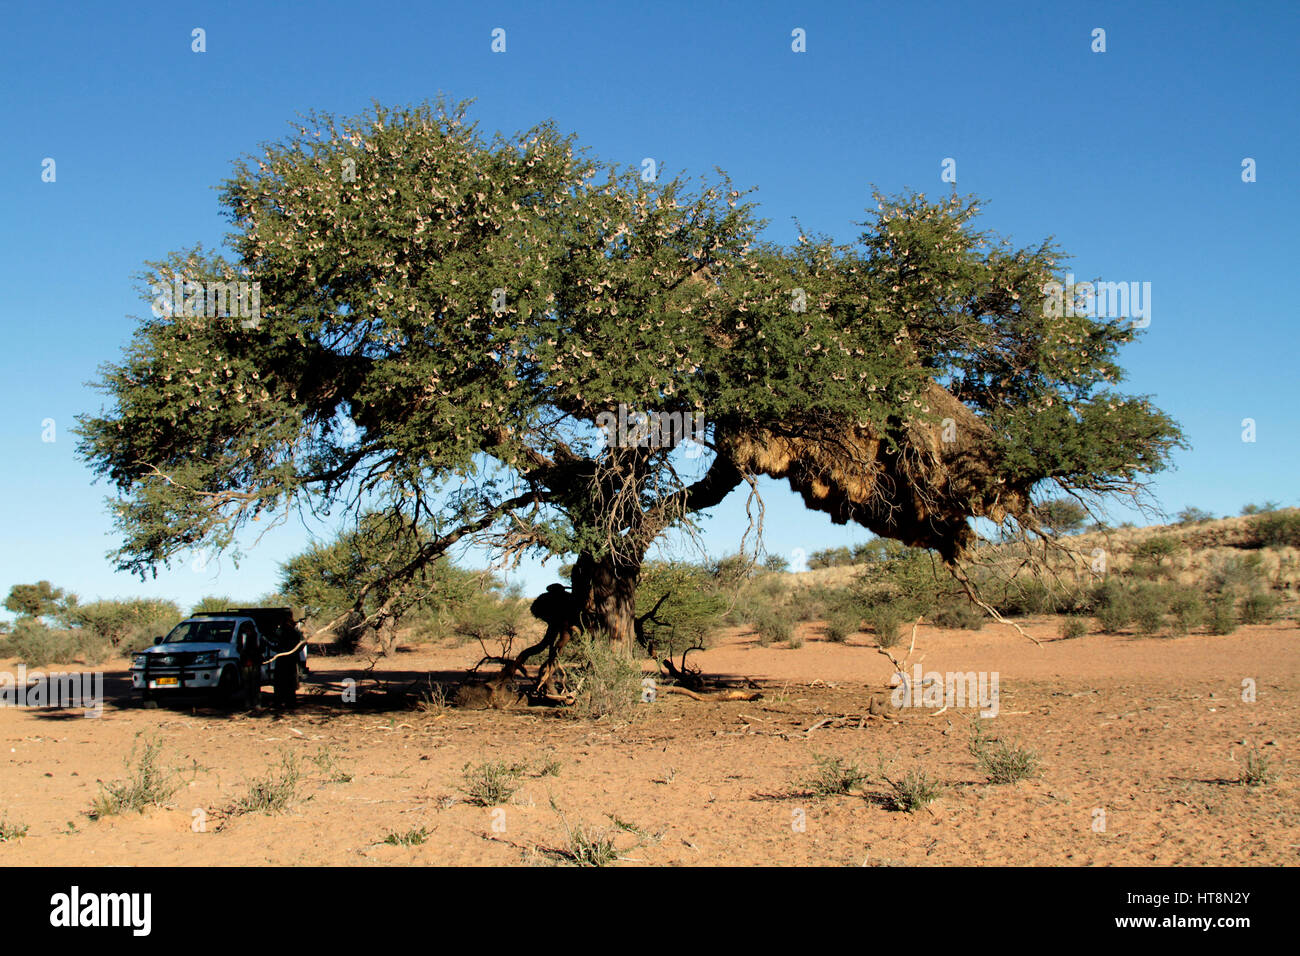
x,y
146,699
286,681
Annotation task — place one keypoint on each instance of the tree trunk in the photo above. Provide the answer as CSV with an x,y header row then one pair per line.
x,y
605,591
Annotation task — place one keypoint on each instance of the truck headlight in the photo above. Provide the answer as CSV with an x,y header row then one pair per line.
x,y
206,659
139,660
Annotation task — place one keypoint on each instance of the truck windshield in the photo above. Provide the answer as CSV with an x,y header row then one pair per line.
x,y
207,632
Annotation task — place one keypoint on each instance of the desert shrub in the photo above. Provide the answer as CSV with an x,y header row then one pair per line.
x,y
1156,548
959,614
731,569
275,792
1223,615
1113,606
1258,771
126,625
774,626
1061,515
147,784
833,776
830,558
1278,530
841,625
11,831
776,562
1259,607
886,622
1186,609
807,604
1029,595
486,618
38,600
1074,627
914,790
1191,515
414,837
37,645
1265,508
687,605
1237,573
604,679
1002,761
491,784
1148,605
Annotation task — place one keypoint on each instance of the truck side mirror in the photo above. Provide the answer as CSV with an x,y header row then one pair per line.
x,y
158,639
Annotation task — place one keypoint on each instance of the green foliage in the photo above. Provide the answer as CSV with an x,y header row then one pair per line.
x,y
1002,761
772,626
833,776
491,784
414,837
1191,515
830,558
1156,548
275,792
1265,508
1074,627
127,624
776,562
1259,607
327,579
1061,515
604,679
1280,529
886,622
914,791
959,613
452,319
1258,771
37,600
147,784
841,627
37,645
1223,615
687,606
11,831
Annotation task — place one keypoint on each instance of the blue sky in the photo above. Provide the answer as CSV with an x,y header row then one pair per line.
x,y
1130,158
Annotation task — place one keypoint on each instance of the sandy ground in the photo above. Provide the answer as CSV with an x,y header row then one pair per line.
x,y
1142,743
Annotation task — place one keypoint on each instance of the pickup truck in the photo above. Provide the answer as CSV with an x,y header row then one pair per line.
x,y
228,655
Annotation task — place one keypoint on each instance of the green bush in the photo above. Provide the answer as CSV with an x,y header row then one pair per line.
x,y
604,679
146,784
841,626
1156,548
1186,609
1278,530
959,614
886,622
37,645
1074,627
773,626
830,558
692,606
1259,607
126,625
1223,615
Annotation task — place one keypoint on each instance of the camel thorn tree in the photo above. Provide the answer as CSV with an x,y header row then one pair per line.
x,y
446,324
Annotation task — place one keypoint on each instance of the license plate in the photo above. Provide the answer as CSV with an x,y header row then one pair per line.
x,y
166,681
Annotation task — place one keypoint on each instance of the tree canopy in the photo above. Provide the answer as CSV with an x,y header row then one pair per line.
x,y
448,323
